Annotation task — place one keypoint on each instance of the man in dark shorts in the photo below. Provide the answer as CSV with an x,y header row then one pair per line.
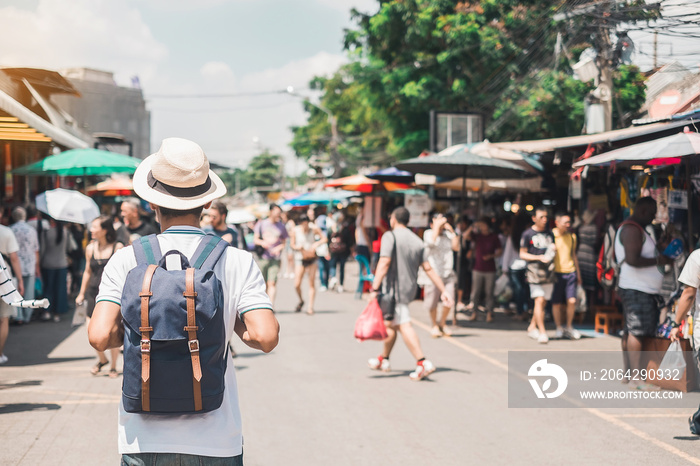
x,y
567,277
639,280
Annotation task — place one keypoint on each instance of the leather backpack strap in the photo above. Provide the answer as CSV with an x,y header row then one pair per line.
x,y
193,343
146,330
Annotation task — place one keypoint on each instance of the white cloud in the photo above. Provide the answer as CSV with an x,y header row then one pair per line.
x,y
216,71
296,73
103,34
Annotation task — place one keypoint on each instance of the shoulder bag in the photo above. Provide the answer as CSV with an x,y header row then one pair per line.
x,y
388,302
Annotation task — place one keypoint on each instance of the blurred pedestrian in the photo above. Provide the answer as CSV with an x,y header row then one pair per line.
x,y
9,250
464,280
55,245
289,224
217,214
402,254
361,235
134,224
639,282
97,254
487,247
440,242
270,236
28,254
307,237
317,215
567,277
515,267
538,250
340,244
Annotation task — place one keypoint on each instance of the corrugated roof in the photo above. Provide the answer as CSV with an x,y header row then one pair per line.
x,y
549,145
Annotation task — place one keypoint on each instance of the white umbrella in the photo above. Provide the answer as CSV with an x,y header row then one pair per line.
x,y
68,206
238,216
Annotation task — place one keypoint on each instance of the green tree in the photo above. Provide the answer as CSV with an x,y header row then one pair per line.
x,y
264,169
492,56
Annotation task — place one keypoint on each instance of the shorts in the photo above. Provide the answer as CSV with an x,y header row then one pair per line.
x,y
270,268
431,295
543,290
401,315
640,311
565,285
6,311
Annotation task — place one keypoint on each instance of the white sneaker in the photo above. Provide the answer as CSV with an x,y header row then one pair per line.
x,y
422,370
543,338
435,332
572,334
323,288
340,289
461,306
379,364
559,334
3,359
534,334
446,330
332,283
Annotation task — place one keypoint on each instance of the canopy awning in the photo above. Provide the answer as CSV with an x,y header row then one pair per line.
x,y
25,125
549,145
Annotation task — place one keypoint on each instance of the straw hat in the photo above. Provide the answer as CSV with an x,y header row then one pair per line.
x,y
177,176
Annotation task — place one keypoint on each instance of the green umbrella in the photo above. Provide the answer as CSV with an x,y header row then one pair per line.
x,y
80,162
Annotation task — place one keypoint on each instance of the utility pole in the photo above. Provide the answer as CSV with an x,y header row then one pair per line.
x,y
604,60
656,48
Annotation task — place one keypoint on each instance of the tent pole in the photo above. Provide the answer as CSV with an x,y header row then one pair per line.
x,y
689,187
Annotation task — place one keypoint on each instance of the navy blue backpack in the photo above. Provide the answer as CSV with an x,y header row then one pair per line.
x,y
175,348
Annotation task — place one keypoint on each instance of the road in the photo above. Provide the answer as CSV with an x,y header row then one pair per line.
x,y
313,401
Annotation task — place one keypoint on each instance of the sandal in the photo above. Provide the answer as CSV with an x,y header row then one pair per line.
x,y
113,374
299,306
98,367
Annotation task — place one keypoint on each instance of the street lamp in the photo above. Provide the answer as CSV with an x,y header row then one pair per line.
x,y
335,140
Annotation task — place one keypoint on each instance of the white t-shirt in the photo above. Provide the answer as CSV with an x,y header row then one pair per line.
x,y
216,433
438,252
690,275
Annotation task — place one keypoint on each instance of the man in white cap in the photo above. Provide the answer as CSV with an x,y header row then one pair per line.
x,y
178,183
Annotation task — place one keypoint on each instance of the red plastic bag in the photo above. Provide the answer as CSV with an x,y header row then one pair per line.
x,y
370,324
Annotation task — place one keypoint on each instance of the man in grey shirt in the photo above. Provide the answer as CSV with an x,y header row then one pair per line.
x,y
400,257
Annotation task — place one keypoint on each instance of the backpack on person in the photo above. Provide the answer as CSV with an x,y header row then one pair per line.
x,y
337,244
607,266
175,348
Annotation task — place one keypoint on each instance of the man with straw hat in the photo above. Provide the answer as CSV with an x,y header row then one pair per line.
x,y
178,183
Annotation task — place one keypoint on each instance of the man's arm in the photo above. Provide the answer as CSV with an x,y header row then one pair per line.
x,y
526,256
632,240
17,270
258,329
380,272
106,329
684,302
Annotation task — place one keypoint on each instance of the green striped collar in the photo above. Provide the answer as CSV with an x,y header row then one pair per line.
x,y
184,230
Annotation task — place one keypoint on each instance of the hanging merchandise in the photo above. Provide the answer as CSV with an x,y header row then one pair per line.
x,y
660,195
576,186
678,199
598,202
624,194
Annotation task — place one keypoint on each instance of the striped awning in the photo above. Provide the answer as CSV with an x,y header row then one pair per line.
x,y
12,129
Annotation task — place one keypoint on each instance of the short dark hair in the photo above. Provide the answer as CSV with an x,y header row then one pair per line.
x,y
303,218
561,214
274,206
539,208
402,215
220,207
170,213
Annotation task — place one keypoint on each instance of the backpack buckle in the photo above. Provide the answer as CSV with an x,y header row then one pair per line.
x,y
194,346
145,346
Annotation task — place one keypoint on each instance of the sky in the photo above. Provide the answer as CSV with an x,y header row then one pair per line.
x,y
195,47
185,48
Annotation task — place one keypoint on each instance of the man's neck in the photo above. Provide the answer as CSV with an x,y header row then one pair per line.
x,y
187,221
221,227
135,225
538,229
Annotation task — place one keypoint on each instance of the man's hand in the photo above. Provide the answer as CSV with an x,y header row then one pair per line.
x,y
372,295
447,299
673,336
543,259
664,260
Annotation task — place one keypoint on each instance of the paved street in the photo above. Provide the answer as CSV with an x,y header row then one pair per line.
x,y
313,401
